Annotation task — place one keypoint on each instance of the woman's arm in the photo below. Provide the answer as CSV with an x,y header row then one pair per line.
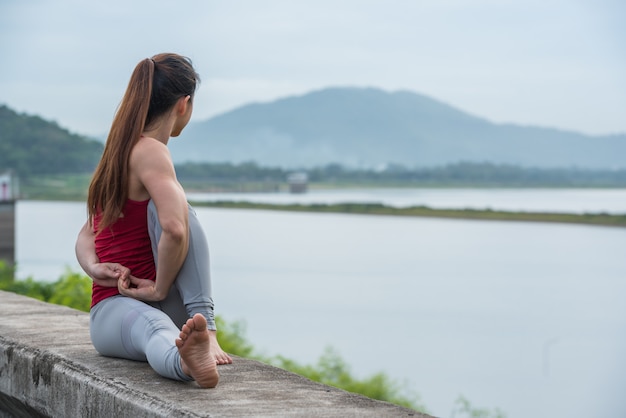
x,y
152,165
103,274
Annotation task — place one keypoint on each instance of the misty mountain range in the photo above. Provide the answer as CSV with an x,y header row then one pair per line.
x,y
367,128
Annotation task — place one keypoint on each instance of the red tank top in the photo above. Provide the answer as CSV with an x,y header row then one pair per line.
x,y
126,242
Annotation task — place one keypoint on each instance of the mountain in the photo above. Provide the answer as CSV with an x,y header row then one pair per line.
x,y
30,145
367,127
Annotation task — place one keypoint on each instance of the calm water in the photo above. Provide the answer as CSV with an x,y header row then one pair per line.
x,y
526,317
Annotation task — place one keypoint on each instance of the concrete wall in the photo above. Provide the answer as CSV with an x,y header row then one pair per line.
x,y
49,368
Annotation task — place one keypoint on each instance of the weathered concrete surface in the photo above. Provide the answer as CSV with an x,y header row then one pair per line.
x,y
49,367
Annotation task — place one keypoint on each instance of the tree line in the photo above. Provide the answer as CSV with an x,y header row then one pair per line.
x,y
31,146
34,148
482,174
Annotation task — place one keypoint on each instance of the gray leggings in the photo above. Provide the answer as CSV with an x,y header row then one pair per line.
x,y
125,327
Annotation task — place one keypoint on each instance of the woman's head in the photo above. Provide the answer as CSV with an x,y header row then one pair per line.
x,y
155,87
173,77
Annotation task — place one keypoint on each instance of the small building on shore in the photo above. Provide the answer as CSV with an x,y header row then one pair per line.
x,y
9,193
298,182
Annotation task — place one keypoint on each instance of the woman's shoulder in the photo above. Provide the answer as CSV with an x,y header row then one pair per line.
x,y
150,157
150,150
150,160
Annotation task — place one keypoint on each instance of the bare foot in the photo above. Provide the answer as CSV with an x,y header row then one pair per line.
x,y
221,357
194,347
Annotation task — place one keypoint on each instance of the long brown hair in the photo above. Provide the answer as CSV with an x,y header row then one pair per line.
x,y
154,87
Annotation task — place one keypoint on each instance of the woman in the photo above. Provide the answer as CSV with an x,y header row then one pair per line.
x,y
142,244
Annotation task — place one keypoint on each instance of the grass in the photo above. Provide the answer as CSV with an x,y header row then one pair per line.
x,y
56,187
74,187
600,219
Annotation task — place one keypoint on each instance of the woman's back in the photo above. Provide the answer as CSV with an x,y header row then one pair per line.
x,y
126,242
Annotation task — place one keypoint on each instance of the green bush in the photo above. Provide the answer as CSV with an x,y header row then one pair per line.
x,y
73,290
29,287
464,408
331,369
231,336
7,274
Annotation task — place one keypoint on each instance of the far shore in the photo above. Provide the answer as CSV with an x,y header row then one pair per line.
x,y
597,219
75,190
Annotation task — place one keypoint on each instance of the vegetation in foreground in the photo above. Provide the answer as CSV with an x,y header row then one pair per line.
x,y
74,290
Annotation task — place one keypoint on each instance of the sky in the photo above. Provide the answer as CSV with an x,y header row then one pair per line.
x,y
552,63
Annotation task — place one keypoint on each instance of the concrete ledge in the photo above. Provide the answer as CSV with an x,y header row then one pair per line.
x,y
49,368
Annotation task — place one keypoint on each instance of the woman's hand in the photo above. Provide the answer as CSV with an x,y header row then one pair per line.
x,y
107,274
140,289
103,274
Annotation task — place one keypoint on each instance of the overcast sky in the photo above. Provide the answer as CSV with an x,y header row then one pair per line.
x,y
556,63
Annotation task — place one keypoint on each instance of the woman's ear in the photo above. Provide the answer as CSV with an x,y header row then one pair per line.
x,y
183,104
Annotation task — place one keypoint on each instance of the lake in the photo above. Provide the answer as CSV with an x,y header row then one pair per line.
x,y
526,317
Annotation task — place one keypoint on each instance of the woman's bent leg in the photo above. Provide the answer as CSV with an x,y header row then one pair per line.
x,y
127,328
191,292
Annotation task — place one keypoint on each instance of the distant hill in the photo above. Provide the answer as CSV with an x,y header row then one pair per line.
x,y
30,145
366,127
